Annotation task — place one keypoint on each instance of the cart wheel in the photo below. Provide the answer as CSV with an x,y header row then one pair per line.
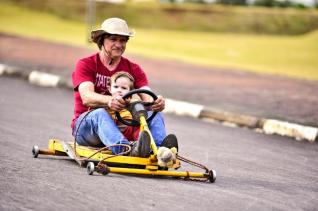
x,y
35,151
212,176
102,169
90,168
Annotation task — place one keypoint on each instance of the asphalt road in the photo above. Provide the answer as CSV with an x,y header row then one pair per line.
x,y
255,171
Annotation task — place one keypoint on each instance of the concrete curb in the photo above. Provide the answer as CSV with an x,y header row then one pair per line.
x,y
267,126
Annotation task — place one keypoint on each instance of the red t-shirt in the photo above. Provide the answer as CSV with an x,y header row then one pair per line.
x,y
92,69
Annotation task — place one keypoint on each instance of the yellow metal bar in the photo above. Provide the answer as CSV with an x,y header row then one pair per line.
x,y
54,145
157,172
83,151
144,126
150,164
50,152
56,148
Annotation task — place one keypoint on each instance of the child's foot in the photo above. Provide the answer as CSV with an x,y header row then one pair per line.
x,y
141,148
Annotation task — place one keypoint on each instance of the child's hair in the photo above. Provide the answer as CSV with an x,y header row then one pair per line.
x,y
120,74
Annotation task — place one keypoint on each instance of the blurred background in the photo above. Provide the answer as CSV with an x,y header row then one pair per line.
x,y
264,36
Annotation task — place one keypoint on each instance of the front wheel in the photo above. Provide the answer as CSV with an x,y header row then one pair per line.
x,y
90,168
35,151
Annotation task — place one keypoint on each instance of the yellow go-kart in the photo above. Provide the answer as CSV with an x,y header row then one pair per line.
x,y
101,160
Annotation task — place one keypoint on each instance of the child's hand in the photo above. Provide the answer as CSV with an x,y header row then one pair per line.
x,y
117,103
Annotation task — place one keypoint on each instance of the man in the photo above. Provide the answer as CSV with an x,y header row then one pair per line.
x,y
91,91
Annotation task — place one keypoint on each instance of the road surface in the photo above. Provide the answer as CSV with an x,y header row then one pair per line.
x,y
255,171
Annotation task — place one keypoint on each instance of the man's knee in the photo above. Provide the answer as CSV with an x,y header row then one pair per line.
x,y
157,119
101,113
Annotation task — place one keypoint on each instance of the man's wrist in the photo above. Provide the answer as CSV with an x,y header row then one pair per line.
x,y
108,101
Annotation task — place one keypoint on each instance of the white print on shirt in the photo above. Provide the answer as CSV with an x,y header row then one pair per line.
x,y
102,82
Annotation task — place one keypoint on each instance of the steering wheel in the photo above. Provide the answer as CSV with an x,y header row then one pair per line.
x,y
138,108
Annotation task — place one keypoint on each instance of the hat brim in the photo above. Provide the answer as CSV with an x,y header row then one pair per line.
x,y
95,34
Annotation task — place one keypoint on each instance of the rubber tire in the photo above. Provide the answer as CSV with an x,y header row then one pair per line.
x,y
35,151
105,170
212,176
90,168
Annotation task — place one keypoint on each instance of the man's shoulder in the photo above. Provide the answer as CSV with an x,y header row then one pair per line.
x,y
89,59
131,64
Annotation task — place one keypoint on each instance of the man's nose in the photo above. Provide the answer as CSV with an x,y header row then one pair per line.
x,y
119,44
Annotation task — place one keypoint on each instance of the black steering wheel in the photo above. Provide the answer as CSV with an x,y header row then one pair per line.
x,y
138,108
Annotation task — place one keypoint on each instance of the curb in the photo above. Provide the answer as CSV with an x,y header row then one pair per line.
x,y
181,108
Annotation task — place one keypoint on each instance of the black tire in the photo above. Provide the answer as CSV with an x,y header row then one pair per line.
x,y
212,176
90,168
35,151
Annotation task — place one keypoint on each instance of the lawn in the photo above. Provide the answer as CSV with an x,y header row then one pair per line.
x,y
292,56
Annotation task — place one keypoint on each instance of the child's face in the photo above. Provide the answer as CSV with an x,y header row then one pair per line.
x,y
120,87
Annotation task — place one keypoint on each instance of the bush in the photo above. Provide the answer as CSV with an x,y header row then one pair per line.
x,y
232,2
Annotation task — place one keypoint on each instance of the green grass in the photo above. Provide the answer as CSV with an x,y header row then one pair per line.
x,y
292,56
20,21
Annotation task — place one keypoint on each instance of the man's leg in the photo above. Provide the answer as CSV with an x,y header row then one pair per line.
x,y
157,128
97,128
158,131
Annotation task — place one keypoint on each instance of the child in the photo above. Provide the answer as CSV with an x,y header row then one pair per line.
x,y
120,84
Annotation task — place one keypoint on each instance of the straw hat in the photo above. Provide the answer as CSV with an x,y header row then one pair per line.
x,y
112,26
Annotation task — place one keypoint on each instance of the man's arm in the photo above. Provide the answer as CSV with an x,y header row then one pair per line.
x,y
95,100
90,98
159,104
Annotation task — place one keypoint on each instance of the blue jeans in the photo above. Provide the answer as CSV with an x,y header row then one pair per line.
x,y
97,129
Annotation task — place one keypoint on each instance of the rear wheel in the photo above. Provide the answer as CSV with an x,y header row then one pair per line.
x,y
212,176
35,151
103,169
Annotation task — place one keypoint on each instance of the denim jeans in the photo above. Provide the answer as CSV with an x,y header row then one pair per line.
x,y
97,128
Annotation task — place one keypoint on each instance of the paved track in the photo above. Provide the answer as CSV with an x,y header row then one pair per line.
x,y
255,171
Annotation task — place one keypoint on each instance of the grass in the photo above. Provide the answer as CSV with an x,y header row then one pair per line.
x,y
20,21
291,56
294,56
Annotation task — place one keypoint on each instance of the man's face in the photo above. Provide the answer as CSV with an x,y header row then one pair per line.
x,y
120,87
115,45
